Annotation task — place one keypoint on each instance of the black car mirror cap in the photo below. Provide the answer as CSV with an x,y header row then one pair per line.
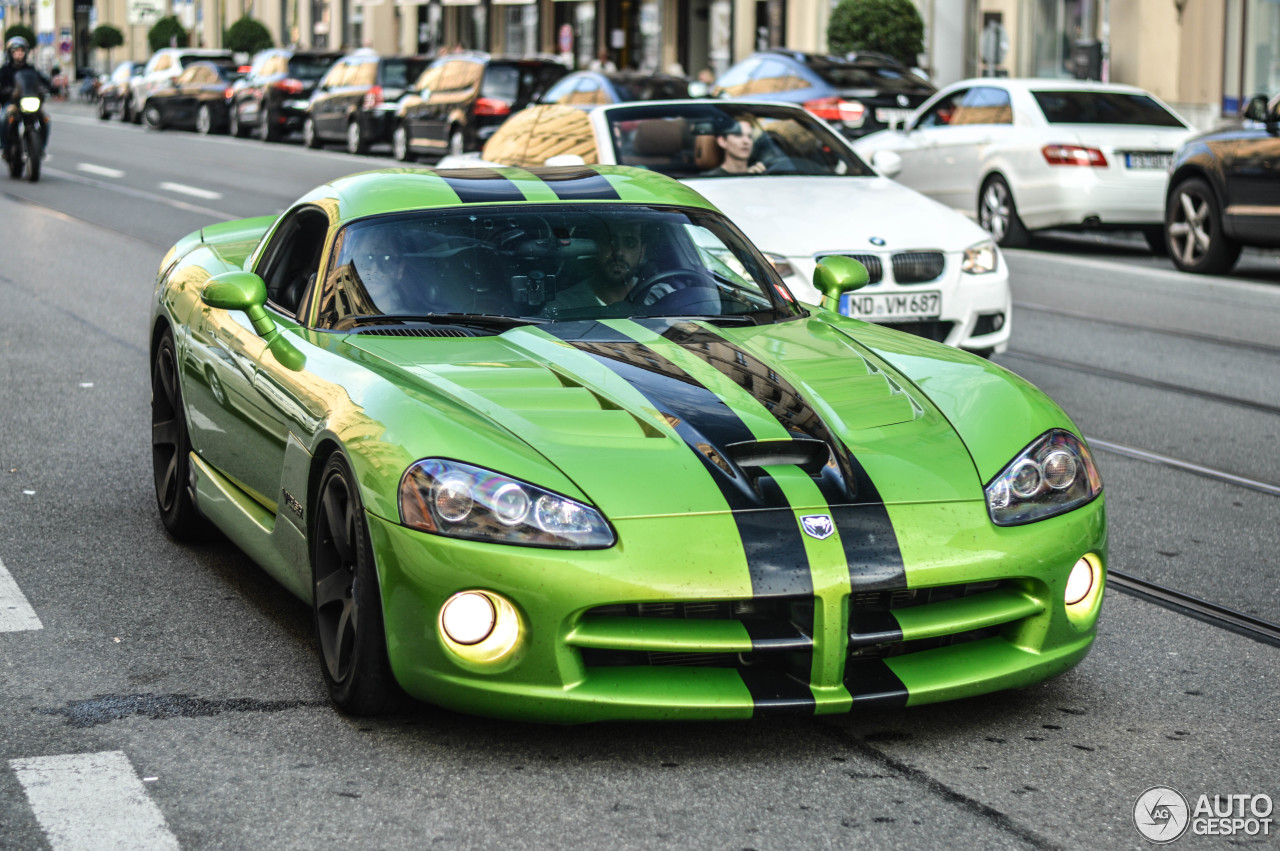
x,y
836,275
1255,109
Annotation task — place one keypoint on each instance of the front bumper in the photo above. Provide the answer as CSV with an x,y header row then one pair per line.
x,y
653,628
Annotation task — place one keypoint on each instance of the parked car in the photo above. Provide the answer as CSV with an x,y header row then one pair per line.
x,y
166,64
272,100
355,101
197,99
500,493
1021,155
114,96
803,195
586,89
462,98
858,94
1224,192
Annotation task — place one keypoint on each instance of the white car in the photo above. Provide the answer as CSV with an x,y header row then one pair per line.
x,y
1021,155
805,195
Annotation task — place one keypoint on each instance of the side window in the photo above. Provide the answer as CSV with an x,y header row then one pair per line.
x,y
942,112
560,91
771,76
365,74
290,264
984,105
334,74
589,92
187,76
163,61
430,79
734,83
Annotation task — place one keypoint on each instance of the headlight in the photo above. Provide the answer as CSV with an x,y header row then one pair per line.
x,y
29,104
781,265
1051,476
980,259
462,501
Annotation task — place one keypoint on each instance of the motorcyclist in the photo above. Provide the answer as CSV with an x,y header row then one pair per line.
x,y
15,60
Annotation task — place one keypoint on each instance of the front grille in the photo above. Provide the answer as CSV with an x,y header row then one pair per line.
x,y
917,267
875,269
874,633
931,329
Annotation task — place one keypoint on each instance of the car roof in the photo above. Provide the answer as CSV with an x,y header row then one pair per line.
x,y
1027,84
396,190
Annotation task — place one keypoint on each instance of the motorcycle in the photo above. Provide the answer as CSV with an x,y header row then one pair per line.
x,y
25,139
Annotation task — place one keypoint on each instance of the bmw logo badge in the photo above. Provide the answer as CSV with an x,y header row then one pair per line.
x,y
876,240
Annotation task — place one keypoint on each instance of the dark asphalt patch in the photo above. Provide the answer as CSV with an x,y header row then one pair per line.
x,y
104,708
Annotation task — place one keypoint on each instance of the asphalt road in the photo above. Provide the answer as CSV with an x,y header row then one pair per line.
x,y
187,681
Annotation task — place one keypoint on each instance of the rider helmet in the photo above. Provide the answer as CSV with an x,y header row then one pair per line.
x,y
13,44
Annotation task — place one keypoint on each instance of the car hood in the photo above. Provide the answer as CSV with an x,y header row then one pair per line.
x,y
804,216
662,416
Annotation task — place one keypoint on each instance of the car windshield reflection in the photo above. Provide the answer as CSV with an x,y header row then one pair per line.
x,y
485,266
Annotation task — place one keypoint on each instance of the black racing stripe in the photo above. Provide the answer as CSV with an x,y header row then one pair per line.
x,y
580,185
866,532
872,683
771,539
775,693
481,186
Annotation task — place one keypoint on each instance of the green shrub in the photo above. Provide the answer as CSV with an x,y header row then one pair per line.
x,y
167,32
893,27
247,35
22,30
106,37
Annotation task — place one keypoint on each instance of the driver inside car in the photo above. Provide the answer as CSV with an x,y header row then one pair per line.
x,y
737,145
619,255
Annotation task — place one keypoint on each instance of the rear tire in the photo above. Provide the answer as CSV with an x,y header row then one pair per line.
x,y
234,127
1193,222
151,116
309,137
171,448
346,601
998,215
357,145
400,145
204,121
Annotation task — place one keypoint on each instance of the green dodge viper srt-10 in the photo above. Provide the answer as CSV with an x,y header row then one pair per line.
x,y
560,445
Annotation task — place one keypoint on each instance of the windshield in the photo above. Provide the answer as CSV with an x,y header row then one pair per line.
x,y
1085,107
882,78
706,139
650,88
518,84
548,263
309,68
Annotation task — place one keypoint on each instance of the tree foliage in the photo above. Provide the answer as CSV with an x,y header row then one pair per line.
x,y
893,27
106,37
22,30
247,35
165,31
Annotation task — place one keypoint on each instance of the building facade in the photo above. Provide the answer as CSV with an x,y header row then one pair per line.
x,y
1205,57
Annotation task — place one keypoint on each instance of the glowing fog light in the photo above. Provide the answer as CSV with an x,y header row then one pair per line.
x,y
1079,582
468,617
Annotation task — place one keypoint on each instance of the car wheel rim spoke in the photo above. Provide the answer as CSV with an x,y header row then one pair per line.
x,y
336,508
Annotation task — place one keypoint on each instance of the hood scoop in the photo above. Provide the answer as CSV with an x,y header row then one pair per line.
x,y
807,454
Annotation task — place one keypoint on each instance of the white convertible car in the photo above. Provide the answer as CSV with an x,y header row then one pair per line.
x,y
799,192
1021,155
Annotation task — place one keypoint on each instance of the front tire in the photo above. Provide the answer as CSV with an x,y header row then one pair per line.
x,y
152,117
400,145
346,602
234,127
1193,223
998,215
204,121
309,137
171,447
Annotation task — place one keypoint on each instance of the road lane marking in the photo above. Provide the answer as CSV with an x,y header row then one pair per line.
x,y
102,170
193,191
92,802
16,613
131,191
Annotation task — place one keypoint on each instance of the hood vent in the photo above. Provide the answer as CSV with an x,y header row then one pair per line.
x,y
417,332
809,455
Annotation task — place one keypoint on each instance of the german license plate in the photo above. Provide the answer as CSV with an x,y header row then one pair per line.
x,y
892,117
884,307
1153,160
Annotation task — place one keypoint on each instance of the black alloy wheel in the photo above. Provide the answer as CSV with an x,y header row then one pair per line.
x,y
346,602
1193,222
999,216
171,447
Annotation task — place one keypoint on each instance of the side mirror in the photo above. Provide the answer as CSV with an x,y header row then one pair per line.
x,y
837,275
887,163
1255,109
247,292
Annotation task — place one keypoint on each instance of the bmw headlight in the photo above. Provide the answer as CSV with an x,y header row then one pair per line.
x,y
980,259
1053,475
462,501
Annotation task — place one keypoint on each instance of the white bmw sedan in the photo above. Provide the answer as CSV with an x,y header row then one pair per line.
x,y
800,193
1021,155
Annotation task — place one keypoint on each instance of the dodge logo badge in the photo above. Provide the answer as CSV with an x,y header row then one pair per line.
x,y
817,526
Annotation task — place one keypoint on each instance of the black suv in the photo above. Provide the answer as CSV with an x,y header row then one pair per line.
x,y
272,99
858,94
1224,192
355,101
462,98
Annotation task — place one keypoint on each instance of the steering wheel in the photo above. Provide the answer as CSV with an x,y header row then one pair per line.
x,y
642,290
